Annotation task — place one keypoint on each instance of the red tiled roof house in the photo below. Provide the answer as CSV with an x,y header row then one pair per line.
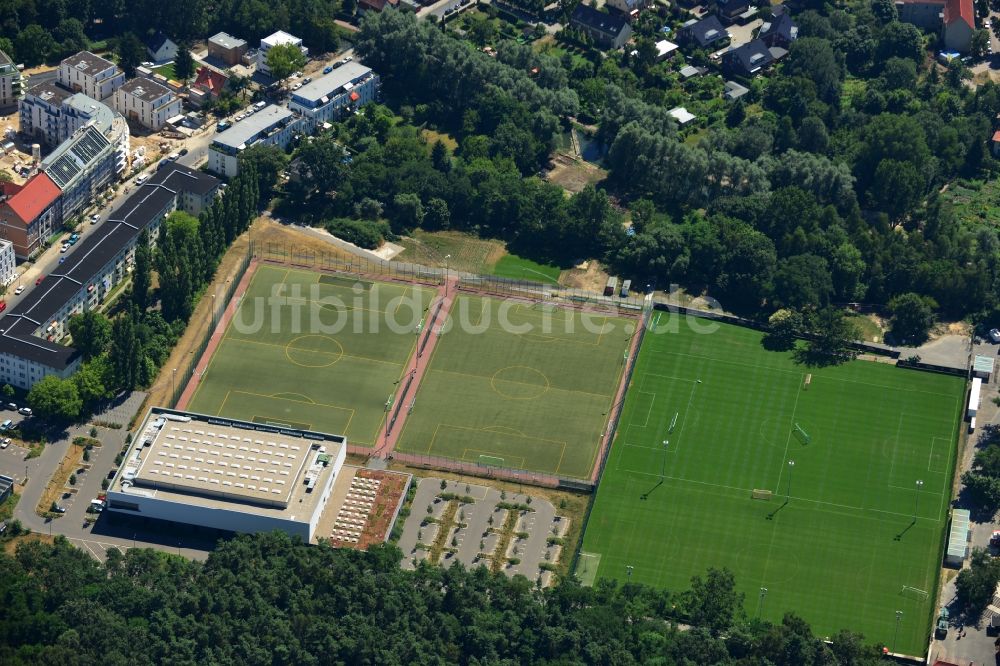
x,y
954,18
28,216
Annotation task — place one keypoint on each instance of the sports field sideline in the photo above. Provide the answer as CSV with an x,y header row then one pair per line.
x,y
274,366
533,394
847,537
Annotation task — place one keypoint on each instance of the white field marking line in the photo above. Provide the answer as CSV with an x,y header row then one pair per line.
x,y
910,490
85,545
930,456
687,410
800,499
649,412
773,369
788,440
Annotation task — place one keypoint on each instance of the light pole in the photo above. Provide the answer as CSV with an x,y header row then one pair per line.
x,y
760,601
899,616
628,571
663,463
788,490
173,383
446,272
916,498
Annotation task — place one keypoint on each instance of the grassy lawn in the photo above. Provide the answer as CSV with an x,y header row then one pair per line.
x,y
975,201
433,136
845,541
465,252
166,70
324,354
523,383
512,266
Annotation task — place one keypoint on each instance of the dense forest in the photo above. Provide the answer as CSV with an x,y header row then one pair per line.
x,y
267,600
809,193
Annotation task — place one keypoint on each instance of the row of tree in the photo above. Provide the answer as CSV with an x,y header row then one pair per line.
x,y
267,600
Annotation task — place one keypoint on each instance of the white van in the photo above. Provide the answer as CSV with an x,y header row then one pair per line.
x,y
141,179
6,424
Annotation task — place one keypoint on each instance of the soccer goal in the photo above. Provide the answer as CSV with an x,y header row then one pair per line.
x,y
761,494
491,461
802,435
913,593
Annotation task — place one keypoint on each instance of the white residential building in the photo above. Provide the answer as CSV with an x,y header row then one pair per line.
x,y
41,111
147,103
8,266
266,44
90,74
271,126
330,96
10,82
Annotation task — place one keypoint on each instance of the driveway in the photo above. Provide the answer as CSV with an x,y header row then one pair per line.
x,y
951,351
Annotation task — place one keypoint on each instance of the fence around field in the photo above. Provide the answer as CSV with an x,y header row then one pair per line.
x,y
180,383
490,471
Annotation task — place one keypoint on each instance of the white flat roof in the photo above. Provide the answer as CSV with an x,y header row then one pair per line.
x,y
248,128
681,115
328,84
664,47
280,37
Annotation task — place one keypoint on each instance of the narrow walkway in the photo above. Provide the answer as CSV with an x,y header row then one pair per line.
x,y
217,334
418,366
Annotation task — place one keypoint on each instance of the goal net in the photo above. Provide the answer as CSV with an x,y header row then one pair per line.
x,y
761,494
913,593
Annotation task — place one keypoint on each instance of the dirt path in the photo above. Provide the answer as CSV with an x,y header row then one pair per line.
x,y
419,363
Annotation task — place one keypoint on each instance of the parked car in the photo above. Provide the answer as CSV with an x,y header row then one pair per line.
x,y
11,406
184,151
59,508
306,80
328,69
95,218
173,157
5,442
39,280
141,179
995,334
3,305
19,290
65,246
24,411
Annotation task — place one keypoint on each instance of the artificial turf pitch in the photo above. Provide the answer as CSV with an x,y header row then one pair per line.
x,y
837,543
519,385
282,360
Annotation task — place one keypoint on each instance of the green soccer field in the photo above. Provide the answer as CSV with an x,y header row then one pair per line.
x,y
535,399
846,539
325,353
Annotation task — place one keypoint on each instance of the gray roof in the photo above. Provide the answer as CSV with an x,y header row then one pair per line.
x,y
5,59
249,129
611,25
91,254
227,41
6,483
49,92
146,89
88,63
72,156
330,83
99,114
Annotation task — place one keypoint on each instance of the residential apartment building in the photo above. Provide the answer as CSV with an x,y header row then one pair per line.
x,y
955,19
266,44
92,75
40,112
80,111
8,263
10,82
29,343
609,31
226,48
81,167
147,103
330,96
271,126
29,214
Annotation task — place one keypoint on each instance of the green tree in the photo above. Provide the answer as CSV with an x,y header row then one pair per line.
x,y
7,391
131,53
55,399
126,353
782,328
184,62
713,602
407,211
34,45
980,45
91,332
283,59
976,584
833,333
142,274
912,317
91,381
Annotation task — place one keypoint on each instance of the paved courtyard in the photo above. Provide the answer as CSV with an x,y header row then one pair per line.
x,y
453,521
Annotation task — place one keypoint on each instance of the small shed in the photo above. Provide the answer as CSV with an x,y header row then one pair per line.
x,y
958,538
734,91
665,49
681,115
982,367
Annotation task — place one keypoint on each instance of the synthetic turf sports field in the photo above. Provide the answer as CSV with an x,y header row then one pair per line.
x,y
273,366
844,552
536,400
